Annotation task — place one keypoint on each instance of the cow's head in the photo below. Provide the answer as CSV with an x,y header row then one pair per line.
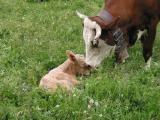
x,y
96,48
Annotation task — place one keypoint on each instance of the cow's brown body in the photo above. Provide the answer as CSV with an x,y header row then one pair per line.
x,y
133,15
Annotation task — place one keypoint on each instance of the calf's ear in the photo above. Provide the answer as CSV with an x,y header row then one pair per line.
x,y
71,55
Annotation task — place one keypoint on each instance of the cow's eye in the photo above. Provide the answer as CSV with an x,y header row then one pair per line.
x,y
94,30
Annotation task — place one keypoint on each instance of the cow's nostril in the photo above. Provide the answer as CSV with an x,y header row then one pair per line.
x,y
89,66
94,43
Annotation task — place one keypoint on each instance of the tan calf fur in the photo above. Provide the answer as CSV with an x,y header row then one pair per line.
x,y
64,76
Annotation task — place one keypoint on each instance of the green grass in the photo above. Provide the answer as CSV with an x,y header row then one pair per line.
x,y
33,39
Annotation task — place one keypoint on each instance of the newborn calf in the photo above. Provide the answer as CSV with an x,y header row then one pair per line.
x,y
64,76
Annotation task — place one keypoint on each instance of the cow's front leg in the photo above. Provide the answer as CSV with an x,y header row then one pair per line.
x,y
124,55
121,53
133,35
148,41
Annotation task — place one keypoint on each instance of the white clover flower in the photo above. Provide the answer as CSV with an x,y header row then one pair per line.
x,y
96,104
57,106
74,95
89,106
85,112
38,108
91,101
100,115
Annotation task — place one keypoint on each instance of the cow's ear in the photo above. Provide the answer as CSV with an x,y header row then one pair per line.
x,y
71,55
105,24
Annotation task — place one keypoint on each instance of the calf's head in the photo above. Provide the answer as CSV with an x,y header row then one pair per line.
x,y
78,63
96,48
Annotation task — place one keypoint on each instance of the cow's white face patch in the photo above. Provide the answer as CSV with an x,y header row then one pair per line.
x,y
94,55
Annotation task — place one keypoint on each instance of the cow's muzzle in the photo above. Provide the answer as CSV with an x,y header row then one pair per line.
x,y
95,43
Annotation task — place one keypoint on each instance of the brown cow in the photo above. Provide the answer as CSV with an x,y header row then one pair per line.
x,y
118,24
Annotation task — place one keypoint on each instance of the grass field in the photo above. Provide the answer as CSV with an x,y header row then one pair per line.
x,y
33,39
